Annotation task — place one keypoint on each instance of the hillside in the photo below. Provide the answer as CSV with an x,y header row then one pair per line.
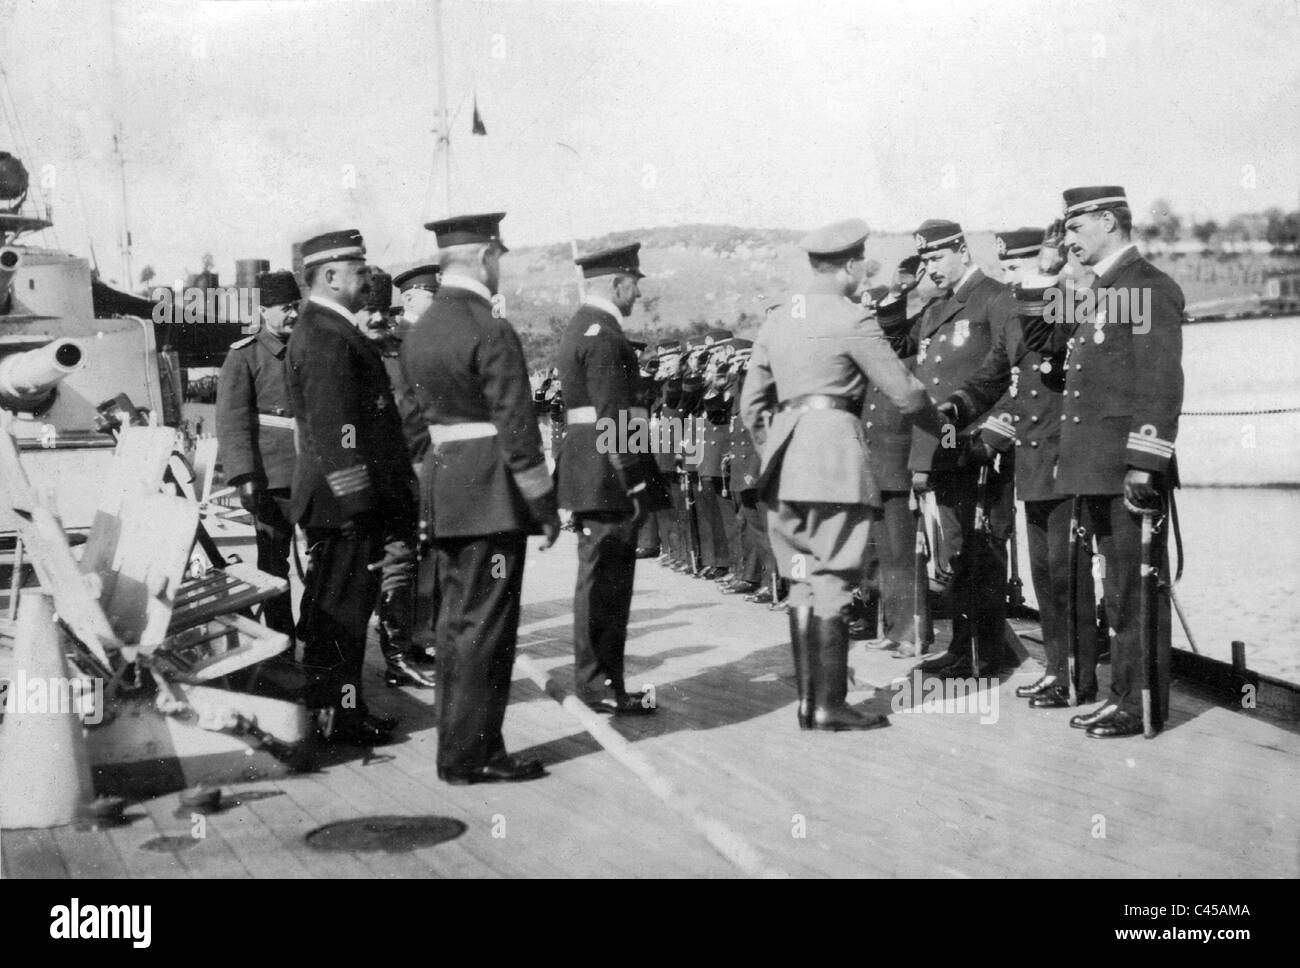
x,y
707,276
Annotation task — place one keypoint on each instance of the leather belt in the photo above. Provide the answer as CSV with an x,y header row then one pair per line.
x,y
440,434
822,401
275,420
580,415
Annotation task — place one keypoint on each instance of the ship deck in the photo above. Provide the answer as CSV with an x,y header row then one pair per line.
x,y
730,787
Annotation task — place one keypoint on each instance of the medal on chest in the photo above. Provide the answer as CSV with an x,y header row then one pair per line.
x,y
920,353
1098,331
961,332
1045,367
1014,389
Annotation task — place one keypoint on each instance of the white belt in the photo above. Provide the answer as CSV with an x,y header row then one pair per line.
x,y
580,415
445,433
272,420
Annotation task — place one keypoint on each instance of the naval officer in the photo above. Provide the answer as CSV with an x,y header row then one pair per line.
x,y
353,490
255,432
485,473
950,341
808,373
1122,399
609,489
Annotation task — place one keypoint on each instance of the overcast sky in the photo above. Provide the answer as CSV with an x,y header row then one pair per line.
x,y
246,125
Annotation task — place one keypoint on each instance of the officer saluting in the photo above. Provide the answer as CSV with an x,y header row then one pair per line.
x,y
809,371
353,491
486,477
255,432
606,486
1123,396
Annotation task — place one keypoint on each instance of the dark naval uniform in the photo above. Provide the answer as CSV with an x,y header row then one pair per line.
x,y
753,556
489,488
598,476
666,420
1123,396
951,340
255,436
810,368
716,519
353,470
1026,422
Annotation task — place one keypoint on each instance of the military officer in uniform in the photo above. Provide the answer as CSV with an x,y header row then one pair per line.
x,y
395,615
353,490
752,553
648,542
1025,420
255,432
608,487
489,488
950,341
668,427
809,372
1122,399
889,442
711,416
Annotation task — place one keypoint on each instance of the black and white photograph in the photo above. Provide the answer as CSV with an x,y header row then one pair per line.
x,y
640,439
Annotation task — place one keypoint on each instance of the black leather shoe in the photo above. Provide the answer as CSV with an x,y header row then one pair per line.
x,y
404,670
1119,724
1100,714
761,597
1042,685
1053,697
504,769
709,574
627,705
943,661
860,629
647,552
741,588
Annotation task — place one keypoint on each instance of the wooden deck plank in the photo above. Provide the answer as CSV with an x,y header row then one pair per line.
x,y
89,853
32,853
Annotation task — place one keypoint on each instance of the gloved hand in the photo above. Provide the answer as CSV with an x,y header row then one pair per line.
x,y
397,566
250,496
920,482
1141,495
979,453
948,412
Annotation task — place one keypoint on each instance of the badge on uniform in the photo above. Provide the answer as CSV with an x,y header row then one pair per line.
x,y
961,332
1098,336
1014,389
920,351
1045,367
593,330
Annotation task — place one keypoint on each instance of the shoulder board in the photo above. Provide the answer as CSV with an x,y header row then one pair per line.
x,y
239,344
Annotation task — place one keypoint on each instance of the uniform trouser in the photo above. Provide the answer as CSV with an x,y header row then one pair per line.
x,y
979,565
479,582
1047,528
1118,533
338,598
755,552
274,536
715,550
894,540
671,527
820,549
648,537
602,601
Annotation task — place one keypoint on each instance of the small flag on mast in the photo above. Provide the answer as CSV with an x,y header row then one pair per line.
x,y
478,120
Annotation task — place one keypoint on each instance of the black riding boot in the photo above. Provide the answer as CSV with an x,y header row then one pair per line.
x,y
800,619
401,660
830,641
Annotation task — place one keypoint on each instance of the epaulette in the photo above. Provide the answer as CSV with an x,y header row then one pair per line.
x,y
239,344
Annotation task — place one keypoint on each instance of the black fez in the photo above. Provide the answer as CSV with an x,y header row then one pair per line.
x,y
277,288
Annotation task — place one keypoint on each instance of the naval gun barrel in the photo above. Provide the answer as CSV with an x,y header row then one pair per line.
x,y
10,260
27,379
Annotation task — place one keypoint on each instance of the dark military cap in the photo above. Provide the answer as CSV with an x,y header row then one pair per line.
x,y
1093,199
715,336
841,239
380,297
277,288
333,247
740,343
696,342
468,230
421,277
1019,243
638,345
911,265
622,261
938,233
669,346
